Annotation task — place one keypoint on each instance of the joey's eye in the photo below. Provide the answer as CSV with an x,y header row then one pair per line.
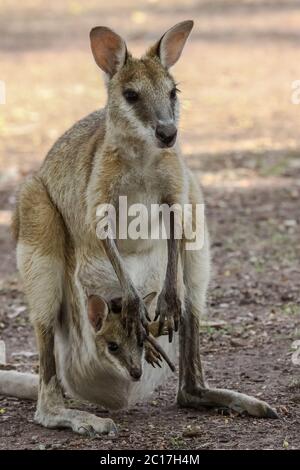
x,y
112,347
131,96
173,93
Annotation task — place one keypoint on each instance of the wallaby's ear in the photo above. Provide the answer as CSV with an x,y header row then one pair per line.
x,y
170,46
148,298
97,311
108,48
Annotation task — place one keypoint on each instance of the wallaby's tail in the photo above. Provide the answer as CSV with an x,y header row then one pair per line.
x,y
18,384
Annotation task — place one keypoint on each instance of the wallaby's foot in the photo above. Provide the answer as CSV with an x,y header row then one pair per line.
x,y
80,422
236,401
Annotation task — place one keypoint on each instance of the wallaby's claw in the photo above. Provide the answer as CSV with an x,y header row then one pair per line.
x,y
271,413
161,352
152,356
87,430
168,310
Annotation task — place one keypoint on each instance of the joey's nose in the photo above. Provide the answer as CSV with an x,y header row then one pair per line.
x,y
166,134
136,373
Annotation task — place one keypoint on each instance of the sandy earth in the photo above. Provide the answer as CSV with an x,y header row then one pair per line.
x,y
240,135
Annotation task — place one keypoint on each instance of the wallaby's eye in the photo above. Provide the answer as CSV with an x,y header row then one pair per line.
x,y
173,93
112,347
131,96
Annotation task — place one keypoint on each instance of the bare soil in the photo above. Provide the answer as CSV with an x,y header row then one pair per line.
x,y
240,136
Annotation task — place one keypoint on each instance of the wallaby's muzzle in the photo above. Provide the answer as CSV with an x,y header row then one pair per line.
x,y
166,134
136,373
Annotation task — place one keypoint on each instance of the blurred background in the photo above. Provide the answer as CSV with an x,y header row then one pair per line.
x,y
239,133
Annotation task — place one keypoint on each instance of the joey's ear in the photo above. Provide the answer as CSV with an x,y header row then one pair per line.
x,y
97,311
108,48
170,46
148,298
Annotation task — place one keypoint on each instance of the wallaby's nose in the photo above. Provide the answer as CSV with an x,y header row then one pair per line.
x,y
136,373
166,134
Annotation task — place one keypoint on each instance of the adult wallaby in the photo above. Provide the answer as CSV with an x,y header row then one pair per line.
x,y
127,149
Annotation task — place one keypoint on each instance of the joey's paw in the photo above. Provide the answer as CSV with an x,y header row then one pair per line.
x,y
168,310
152,356
135,317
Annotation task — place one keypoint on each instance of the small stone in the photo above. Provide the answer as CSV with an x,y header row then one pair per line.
x,y
27,354
290,223
17,312
192,431
56,446
236,342
65,441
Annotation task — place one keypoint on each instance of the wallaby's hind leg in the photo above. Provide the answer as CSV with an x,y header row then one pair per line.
x,y
40,256
51,411
193,392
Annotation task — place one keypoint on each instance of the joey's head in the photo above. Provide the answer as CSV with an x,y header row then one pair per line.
x,y
115,349
142,94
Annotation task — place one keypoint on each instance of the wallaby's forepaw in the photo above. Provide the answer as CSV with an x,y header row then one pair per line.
x,y
80,422
168,310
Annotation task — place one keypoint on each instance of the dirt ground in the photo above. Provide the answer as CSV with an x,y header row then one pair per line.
x,y
240,135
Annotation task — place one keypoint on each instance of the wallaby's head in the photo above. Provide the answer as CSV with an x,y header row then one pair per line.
x,y
114,347
142,94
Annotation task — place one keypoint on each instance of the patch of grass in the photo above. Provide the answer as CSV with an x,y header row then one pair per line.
x,y
177,442
280,238
22,320
259,266
215,332
275,165
291,309
297,333
294,384
207,330
277,169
